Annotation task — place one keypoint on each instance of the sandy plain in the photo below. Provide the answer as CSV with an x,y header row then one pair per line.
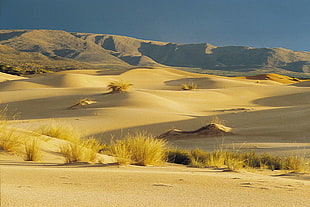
x,y
265,115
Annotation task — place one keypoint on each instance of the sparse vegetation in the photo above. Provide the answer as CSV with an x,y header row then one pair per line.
x,y
76,150
60,131
189,86
9,140
82,151
32,150
139,149
119,86
73,153
236,160
20,71
217,120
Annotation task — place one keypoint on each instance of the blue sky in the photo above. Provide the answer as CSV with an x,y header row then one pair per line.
x,y
255,23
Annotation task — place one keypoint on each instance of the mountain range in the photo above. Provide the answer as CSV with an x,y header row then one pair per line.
x,y
60,50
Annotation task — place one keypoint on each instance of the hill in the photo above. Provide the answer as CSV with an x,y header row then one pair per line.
x,y
60,50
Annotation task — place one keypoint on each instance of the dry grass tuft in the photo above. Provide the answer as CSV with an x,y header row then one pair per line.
x,y
60,131
81,151
10,140
140,149
72,152
118,86
32,150
189,86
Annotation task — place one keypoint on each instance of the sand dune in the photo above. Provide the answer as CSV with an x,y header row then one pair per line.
x,y
268,116
273,77
6,77
303,84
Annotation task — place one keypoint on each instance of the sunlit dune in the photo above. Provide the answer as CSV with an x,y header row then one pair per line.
x,y
267,113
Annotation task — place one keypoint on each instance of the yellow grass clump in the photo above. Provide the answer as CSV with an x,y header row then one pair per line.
x,y
60,131
139,149
76,149
118,86
32,151
81,151
189,86
10,140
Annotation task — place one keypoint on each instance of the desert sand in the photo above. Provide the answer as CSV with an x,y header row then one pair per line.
x,y
265,115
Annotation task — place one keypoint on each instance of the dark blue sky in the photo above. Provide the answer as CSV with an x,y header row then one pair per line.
x,y
255,23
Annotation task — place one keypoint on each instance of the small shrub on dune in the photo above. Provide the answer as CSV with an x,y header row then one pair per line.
x,y
32,150
60,131
118,86
189,86
140,149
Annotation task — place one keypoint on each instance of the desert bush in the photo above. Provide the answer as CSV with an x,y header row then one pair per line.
x,y
189,86
21,71
118,86
140,149
32,151
60,131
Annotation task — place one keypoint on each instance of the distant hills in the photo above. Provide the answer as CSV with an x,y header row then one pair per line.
x,y
59,50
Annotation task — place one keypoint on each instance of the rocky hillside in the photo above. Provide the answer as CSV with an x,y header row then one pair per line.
x,y
59,50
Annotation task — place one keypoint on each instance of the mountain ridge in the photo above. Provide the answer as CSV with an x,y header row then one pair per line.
x,y
59,50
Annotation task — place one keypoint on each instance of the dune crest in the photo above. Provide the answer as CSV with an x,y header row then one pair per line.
x,y
211,130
